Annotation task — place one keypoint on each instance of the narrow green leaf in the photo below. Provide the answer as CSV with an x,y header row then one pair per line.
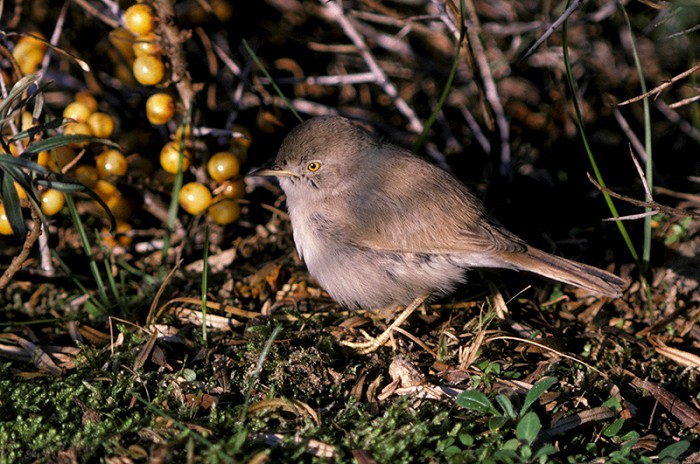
x,y
506,406
22,162
17,90
62,140
10,201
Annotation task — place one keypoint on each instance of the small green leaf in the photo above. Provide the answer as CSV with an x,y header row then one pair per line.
x,y
476,401
528,428
614,428
536,392
466,439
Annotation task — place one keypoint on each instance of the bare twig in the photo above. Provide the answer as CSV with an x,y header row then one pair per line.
x,y
645,204
335,12
18,260
173,45
555,25
660,88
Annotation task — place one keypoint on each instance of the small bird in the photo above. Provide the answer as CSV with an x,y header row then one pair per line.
x,y
377,226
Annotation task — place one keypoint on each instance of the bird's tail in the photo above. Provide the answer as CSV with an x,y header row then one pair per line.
x,y
567,271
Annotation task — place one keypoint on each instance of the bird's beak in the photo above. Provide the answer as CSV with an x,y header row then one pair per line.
x,y
274,171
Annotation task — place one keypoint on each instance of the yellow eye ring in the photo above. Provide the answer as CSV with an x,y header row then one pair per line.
x,y
313,166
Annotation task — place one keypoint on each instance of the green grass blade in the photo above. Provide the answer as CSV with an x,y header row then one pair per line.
x,y
584,137
87,248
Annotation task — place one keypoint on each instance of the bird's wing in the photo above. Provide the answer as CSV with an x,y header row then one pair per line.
x,y
415,207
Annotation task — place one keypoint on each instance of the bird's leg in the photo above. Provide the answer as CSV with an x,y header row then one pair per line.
x,y
373,343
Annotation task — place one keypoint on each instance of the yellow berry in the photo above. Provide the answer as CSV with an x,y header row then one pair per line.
x,y
148,70
77,111
234,189
5,227
139,19
21,193
170,155
43,159
147,45
52,201
222,166
105,190
86,99
101,124
29,53
77,128
26,121
111,163
86,175
160,108
194,198
224,211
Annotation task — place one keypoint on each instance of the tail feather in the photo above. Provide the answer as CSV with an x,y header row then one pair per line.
x,y
567,271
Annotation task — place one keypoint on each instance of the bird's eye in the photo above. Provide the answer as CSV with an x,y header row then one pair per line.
x,y
313,166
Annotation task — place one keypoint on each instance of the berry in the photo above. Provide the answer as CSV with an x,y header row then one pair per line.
x,y
52,201
224,211
101,124
77,111
170,156
194,198
223,166
148,70
111,163
160,108
139,19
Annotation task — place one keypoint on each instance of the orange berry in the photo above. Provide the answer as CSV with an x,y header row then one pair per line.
x,y
21,193
194,198
224,211
139,19
170,156
148,70
5,227
43,159
102,125
223,166
77,111
52,201
111,163
160,108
